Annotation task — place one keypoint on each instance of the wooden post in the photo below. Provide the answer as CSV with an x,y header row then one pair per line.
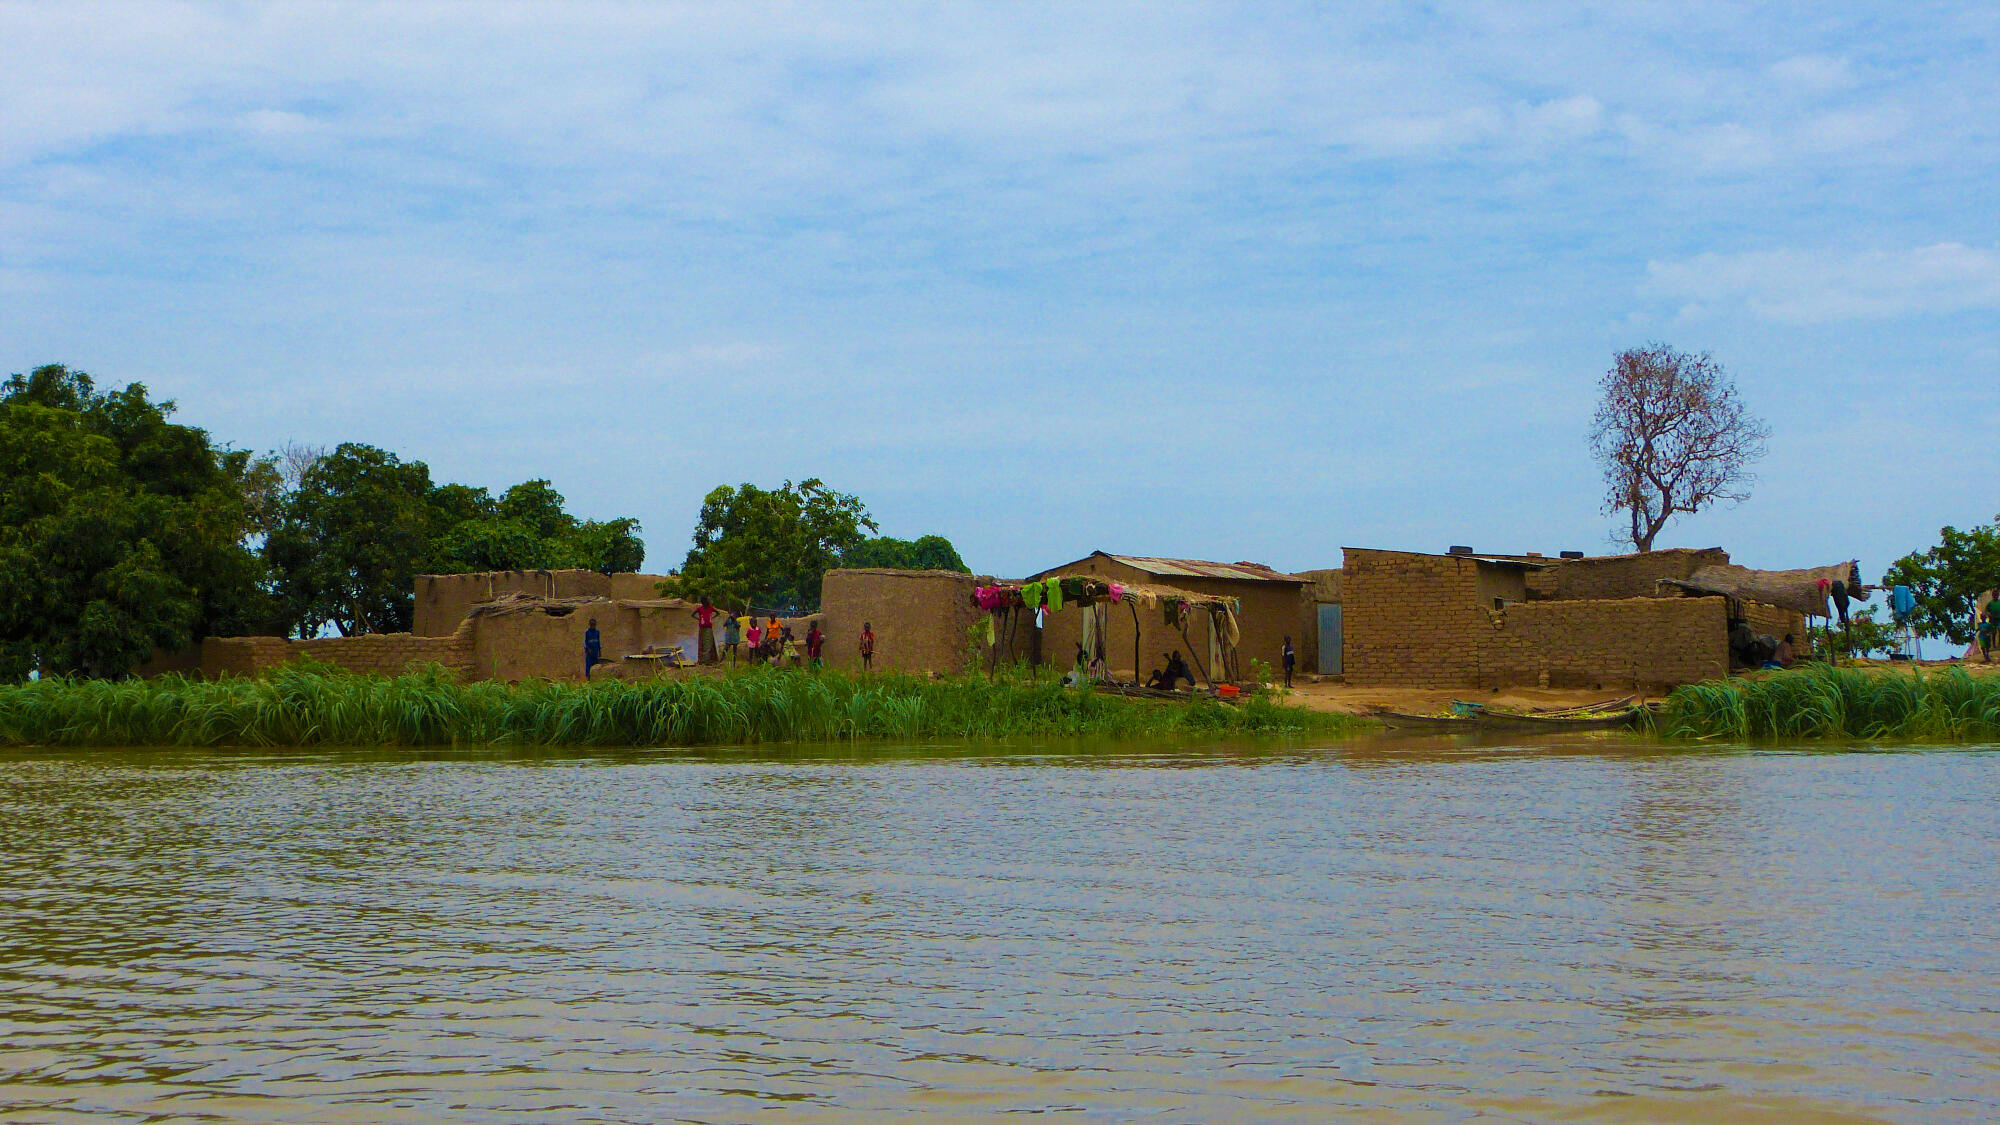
x,y
1137,675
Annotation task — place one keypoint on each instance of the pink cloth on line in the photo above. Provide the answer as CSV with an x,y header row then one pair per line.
x,y
1117,591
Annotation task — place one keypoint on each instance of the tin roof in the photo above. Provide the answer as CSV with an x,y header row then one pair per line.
x,y
1197,568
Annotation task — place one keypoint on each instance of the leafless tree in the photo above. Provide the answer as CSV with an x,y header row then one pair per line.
x,y
1673,438
296,459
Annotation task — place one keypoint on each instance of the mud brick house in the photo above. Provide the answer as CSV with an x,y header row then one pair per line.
x,y
1485,621
1274,605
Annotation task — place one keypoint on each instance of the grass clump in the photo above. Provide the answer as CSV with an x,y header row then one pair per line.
x,y
311,706
1821,702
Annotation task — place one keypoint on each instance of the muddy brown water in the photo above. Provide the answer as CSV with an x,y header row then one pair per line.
x,y
1589,928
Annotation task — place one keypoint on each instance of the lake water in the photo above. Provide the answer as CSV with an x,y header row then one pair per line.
x,y
1593,929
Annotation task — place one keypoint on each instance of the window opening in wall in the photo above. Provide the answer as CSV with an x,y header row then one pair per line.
x,y
1499,603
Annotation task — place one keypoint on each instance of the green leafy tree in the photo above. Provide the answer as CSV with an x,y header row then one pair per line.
x,y
927,552
526,529
351,542
769,547
120,531
1947,577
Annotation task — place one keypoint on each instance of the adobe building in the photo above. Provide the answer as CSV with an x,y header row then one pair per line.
x,y
1273,605
444,600
1488,621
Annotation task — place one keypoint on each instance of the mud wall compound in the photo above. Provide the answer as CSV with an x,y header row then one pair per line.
x,y
1421,620
443,600
386,654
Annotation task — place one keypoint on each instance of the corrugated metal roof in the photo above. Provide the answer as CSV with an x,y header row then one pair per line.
x,y
1201,568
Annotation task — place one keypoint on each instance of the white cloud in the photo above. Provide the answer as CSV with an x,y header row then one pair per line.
x,y
1801,287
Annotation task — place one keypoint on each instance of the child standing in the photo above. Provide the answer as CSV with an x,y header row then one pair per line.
x,y
755,636
1291,661
732,636
815,641
867,646
791,648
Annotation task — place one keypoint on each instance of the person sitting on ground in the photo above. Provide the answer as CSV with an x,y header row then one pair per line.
x,y
1787,652
1177,670
1156,680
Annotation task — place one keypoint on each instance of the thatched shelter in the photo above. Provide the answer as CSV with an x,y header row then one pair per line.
x,y
1801,591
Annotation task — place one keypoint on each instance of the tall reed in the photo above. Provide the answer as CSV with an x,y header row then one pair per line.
x,y
1820,702
308,706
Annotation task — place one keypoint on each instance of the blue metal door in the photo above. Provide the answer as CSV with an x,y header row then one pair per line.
x,y
1329,640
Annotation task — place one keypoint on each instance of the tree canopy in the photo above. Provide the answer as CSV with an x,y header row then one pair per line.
x,y
362,524
1946,578
120,531
1672,437
928,552
769,547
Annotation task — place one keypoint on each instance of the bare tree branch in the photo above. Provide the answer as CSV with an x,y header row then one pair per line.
x,y
1672,437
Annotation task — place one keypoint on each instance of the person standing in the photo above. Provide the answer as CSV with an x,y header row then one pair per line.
x,y
867,646
704,645
732,637
1989,630
1291,658
593,648
815,641
755,637
790,650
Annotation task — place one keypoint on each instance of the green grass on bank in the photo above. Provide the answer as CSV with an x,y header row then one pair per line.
x,y
1821,702
310,706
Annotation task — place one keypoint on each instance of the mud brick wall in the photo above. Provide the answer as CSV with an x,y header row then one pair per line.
x,y
1774,621
1647,642
386,654
443,599
1620,576
1411,619
1421,621
920,618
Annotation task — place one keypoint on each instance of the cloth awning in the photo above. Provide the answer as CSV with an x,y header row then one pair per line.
x,y
1797,590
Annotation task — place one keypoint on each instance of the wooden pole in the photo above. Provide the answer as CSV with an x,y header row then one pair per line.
x,y
1137,675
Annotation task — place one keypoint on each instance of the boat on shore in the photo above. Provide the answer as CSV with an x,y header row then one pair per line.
x,y
1474,717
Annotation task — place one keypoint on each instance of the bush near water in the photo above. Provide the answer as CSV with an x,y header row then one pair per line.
x,y
1819,701
313,706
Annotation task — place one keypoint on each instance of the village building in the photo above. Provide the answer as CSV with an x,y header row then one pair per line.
x,y
1649,621
1270,606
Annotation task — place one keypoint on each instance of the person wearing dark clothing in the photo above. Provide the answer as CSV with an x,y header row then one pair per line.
x,y
1291,661
867,646
593,648
732,637
1177,670
815,640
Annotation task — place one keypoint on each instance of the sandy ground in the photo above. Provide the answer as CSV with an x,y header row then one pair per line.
x,y
1333,696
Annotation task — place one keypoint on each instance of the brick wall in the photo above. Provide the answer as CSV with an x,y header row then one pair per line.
x,y
1775,621
385,654
1619,576
1420,620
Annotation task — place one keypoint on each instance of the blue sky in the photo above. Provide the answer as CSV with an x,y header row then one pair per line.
x,y
1237,282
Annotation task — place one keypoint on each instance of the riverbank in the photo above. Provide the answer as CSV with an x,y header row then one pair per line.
x,y
1937,702
306,706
